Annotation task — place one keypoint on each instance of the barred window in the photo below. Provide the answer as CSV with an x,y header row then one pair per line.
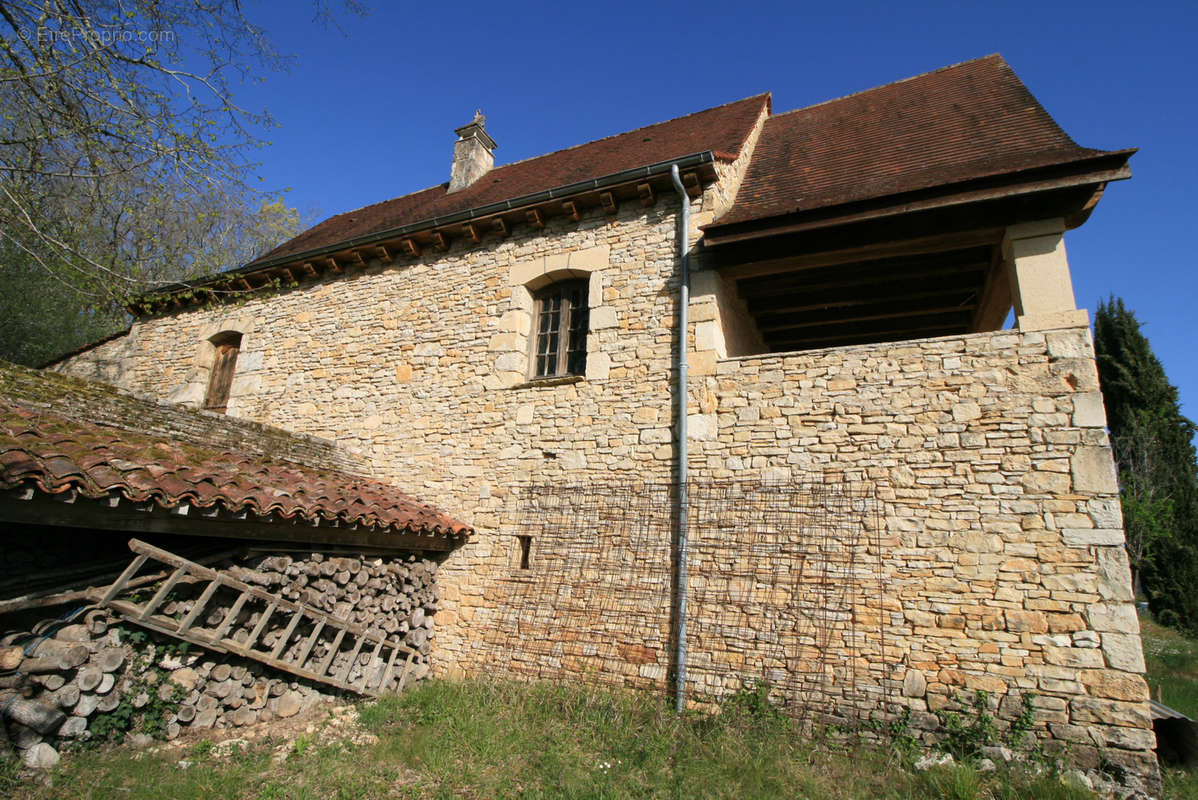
x,y
560,344
220,381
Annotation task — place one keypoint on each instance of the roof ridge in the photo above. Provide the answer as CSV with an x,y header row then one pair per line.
x,y
766,95
945,68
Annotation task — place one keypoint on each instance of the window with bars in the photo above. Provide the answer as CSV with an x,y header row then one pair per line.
x,y
560,343
221,379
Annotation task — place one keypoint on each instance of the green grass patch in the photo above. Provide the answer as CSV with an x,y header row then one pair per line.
x,y
1171,659
499,740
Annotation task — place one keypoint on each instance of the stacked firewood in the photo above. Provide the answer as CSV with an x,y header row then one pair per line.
x,y
66,680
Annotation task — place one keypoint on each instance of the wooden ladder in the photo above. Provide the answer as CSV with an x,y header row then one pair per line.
x,y
385,653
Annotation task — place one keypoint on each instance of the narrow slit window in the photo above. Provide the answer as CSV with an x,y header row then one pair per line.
x,y
223,364
525,551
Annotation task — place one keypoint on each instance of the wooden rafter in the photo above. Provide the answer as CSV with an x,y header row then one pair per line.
x,y
924,245
836,317
645,191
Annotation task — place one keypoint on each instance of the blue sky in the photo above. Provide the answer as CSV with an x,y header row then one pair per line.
x,y
367,113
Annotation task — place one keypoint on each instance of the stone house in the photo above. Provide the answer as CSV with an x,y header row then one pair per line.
x,y
506,346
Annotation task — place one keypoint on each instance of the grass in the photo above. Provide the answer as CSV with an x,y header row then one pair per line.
x,y
502,740
1172,662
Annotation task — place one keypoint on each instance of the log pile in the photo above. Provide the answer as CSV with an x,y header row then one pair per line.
x,y
58,681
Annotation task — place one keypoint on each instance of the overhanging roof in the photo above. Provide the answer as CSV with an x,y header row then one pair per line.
x,y
965,133
111,467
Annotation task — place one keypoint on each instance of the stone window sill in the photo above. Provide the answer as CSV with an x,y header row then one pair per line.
x,y
561,380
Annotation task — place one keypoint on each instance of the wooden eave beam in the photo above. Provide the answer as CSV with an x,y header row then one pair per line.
x,y
830,319
772,290
799,303
925,244
935,198
130,518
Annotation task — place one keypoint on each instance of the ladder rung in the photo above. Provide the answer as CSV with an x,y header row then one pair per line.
x,y
336,645
407,667
227,622
162,592
386,680
198,608
343,676
291,626
307,648
129,572
366,670
261,626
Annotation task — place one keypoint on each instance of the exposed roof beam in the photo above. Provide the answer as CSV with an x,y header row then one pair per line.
x,y
937,243
823,321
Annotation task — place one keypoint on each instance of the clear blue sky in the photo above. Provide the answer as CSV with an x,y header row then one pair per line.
x,y
368,112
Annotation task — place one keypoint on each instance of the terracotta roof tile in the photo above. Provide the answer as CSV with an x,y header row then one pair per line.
x,y
722,130
54,454
964,122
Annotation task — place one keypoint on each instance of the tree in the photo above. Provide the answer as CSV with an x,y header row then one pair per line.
x,y
1158,468
123,158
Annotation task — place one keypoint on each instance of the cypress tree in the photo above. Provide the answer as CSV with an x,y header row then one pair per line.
x,y
1158,469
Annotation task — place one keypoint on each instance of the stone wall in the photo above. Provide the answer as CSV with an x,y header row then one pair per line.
x,y
1004,567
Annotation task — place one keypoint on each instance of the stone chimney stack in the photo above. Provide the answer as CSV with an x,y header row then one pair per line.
x,y
473,153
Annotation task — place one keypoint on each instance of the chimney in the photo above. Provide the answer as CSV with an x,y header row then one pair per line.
x,y
473,153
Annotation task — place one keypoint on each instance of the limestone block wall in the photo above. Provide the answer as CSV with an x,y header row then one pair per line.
x,y
999,533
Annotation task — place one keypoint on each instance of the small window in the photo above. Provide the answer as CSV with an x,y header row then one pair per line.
x,y
560,344
223,363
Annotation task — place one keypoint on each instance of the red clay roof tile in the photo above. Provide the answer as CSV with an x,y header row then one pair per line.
x,y
722,130
964,122
54,454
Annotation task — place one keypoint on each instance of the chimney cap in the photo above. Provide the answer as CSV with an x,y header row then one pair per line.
x,y
476,129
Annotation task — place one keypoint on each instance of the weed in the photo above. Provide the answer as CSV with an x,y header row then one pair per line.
x,y
966,735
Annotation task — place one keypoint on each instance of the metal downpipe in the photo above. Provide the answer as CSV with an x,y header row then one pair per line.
x,y
683,521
